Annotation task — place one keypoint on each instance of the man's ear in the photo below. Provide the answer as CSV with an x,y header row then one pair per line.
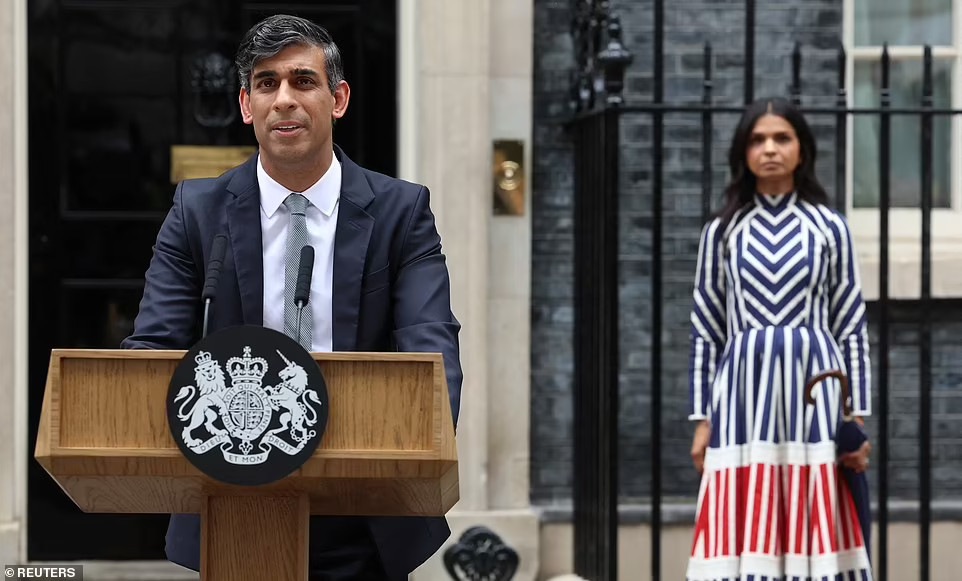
x,y
245,106
341,98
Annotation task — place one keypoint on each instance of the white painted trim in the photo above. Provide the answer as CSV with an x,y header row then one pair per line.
x,y
955,137
21,272
905,223
848,39
407,90
901,52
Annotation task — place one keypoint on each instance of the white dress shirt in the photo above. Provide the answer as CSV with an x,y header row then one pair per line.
x,y
321,218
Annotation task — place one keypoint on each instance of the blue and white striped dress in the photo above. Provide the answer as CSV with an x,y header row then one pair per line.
x,y
777,300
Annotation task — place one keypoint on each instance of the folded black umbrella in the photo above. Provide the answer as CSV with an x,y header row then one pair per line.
x,y
849,438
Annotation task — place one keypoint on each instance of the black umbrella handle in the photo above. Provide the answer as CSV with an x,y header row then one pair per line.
x,y
846,407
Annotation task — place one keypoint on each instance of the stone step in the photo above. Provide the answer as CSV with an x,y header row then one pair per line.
x,y
131,570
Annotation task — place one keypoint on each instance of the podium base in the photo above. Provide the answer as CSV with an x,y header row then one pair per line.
x,y
253,538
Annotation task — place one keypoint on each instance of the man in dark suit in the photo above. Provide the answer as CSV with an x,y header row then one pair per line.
x,y
380,281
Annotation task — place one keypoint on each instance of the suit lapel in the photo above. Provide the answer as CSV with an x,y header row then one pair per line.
x,y
244,228
354,226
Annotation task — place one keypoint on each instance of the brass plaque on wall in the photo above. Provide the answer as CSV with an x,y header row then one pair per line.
x,y
508,177
206,161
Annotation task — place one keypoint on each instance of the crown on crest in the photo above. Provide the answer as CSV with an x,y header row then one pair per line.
x,y
204,360
247,369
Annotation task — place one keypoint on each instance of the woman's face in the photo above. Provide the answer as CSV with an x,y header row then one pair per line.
x,y
774,151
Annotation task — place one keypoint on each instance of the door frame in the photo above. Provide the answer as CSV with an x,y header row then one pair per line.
x,y
17,464
15,545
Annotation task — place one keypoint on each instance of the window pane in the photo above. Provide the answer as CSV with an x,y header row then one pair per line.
x,y
903,22
905,148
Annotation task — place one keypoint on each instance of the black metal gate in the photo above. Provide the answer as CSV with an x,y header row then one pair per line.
x,y
599,105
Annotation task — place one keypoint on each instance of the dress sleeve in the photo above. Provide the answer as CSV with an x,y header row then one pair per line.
x,y
708,319
847,316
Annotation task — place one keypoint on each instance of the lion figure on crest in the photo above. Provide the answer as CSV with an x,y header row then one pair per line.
x,y
212,384
290,395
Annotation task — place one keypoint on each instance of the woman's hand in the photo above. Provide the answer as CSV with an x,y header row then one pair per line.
x,y
700,443
857,460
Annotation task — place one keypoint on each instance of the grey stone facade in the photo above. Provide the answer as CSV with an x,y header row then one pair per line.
x,y
817,25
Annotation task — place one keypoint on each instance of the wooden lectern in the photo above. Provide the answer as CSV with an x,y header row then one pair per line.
x,y
388,449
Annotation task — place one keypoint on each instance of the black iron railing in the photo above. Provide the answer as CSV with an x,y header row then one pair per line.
x,y
599,105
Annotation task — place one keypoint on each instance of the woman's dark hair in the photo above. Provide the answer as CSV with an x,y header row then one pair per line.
x,y
742,189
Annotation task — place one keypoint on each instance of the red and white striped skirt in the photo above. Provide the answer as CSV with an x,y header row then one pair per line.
x,y
770,511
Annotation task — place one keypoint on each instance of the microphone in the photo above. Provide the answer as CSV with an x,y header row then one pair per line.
x,y
218,250
302,290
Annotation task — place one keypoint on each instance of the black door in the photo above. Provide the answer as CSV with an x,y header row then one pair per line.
x,y
113,84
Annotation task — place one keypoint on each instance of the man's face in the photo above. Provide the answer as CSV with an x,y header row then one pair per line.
x,y
292,109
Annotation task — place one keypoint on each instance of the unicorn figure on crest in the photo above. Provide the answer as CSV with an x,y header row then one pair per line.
x,y
291,395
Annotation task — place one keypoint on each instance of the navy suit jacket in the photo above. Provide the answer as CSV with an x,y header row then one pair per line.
x,y
391,293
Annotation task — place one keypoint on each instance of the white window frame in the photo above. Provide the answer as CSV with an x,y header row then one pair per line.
x,y
905,224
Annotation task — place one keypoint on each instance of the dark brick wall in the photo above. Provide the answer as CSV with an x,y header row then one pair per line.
x,y
552,258
816,24
904,387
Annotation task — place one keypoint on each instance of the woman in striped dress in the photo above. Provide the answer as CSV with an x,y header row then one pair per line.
x,y
777,300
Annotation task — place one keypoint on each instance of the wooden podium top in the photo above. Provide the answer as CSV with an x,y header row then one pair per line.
x,y
388,448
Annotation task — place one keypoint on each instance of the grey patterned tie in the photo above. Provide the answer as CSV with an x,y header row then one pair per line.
x,y
296,239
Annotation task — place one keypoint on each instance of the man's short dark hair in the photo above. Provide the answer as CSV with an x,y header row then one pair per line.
x,y
275,33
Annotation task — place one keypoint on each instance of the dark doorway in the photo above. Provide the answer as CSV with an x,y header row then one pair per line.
x,y
111,89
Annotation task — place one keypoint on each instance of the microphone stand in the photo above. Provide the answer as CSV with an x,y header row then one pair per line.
x,y
300,309
206,315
